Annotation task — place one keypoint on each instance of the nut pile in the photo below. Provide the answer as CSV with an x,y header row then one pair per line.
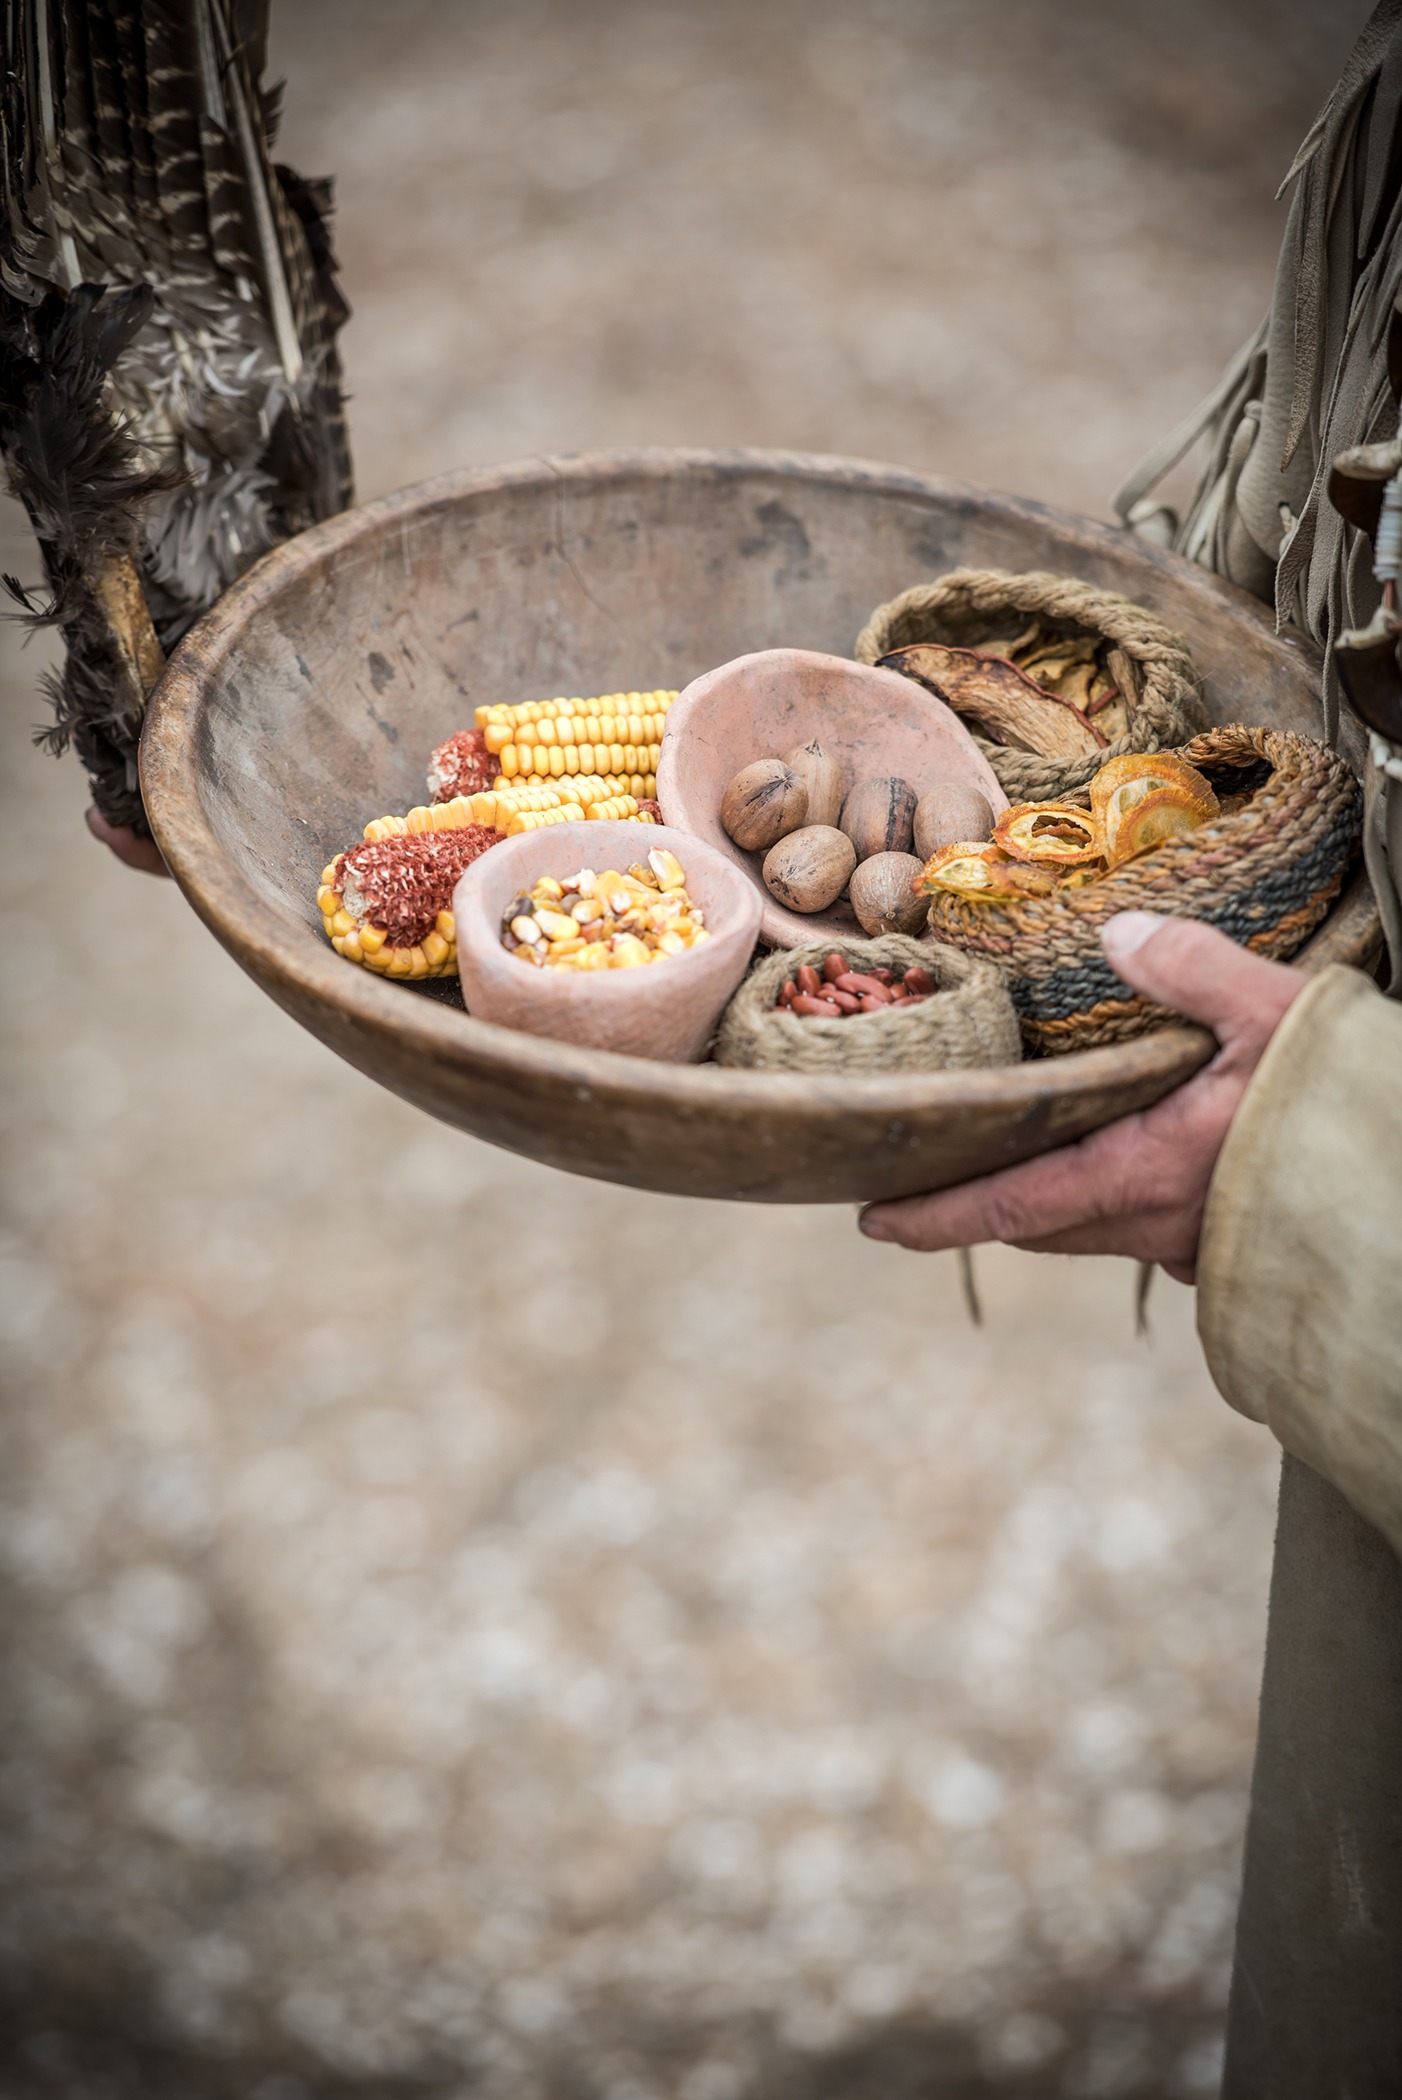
x,y
605,921
821,839
1137,802
838,991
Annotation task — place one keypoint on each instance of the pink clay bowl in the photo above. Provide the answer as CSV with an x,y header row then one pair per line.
x,y
664,1010
766,705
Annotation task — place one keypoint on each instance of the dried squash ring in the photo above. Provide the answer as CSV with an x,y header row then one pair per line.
x,y
981,871
1053,832
1145,772
1160,783
1165,813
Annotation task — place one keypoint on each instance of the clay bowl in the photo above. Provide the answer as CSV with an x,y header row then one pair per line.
x,y
765,705
666,1010
309,699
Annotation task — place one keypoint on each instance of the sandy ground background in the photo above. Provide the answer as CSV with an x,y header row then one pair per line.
x,y
473,1632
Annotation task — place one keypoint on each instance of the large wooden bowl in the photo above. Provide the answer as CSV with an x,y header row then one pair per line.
x,y
308,700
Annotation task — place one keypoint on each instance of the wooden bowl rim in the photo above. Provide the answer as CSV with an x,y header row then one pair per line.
x,y
300,961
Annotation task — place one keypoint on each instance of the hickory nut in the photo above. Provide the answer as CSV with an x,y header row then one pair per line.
x,y
952,814
822,776
884,895
877,816
810,869
764,802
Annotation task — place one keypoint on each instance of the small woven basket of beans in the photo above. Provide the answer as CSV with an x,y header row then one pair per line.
x,y
1051,674
1264,871
967,1020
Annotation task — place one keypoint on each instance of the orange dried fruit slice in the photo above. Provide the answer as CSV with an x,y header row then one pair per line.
x,y
1167,813
981,871
1129,778
1030,878
1056,833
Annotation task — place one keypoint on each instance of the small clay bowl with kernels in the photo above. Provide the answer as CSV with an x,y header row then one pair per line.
x,y
666,1009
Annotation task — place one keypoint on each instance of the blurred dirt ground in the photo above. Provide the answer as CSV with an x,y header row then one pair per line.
x,y
477,1633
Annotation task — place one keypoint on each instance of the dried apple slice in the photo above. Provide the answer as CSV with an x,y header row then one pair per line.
x,y
1054,832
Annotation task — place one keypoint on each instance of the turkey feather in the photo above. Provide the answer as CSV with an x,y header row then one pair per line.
x,y
170,390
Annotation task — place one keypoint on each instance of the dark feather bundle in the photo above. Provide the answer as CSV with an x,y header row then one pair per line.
x,y
165,431
79,474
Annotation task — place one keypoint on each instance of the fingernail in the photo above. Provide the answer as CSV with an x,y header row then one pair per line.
x,y
1129,930
872,1226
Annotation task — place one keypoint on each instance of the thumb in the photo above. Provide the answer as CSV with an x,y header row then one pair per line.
x,y
1198,972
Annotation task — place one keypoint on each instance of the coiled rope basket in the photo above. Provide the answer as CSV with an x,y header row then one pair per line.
x,y
968,607
1265,872
969,1021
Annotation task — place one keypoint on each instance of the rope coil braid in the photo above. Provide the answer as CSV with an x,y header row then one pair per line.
x,y
967,1021
1264,875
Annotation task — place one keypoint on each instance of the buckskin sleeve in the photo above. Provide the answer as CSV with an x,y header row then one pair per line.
x,y
1300,1262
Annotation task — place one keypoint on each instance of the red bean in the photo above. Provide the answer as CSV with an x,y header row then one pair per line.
x,y
789,993
857,983
870,1004
809,981
822,1008
883,975
844,1000
835,967
918,979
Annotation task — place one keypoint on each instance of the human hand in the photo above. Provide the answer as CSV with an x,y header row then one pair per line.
x,y
1137,1187
131,849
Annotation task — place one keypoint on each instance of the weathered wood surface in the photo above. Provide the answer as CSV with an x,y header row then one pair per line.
x,y
309,698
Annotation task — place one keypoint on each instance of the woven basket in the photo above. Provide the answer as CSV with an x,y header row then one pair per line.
x,y
1265,875
968,1021
969,606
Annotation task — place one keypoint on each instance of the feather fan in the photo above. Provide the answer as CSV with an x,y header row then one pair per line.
x,y
170,393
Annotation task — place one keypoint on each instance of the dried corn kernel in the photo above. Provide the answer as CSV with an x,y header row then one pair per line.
x,y
667,868
606,920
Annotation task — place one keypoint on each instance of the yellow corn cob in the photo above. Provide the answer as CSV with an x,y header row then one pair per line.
x,y
436,954
614,733
499,805
526,760
443,816
509,798
533,819
587,788
593,784
618,809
